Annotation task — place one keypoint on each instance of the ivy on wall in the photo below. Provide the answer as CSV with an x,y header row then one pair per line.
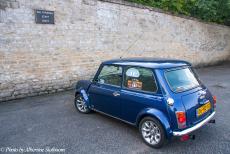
x,y
208,10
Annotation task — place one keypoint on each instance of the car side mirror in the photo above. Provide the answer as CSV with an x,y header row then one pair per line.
x,y
95,81
120,75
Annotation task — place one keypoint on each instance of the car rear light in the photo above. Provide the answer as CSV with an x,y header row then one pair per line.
x,y
214,98
185,137
181,119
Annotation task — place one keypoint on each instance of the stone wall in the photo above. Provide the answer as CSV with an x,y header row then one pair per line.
x,y
38,59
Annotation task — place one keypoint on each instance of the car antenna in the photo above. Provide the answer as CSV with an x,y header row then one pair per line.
x,y
132,45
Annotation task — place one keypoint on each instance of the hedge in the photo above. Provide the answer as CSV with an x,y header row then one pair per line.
x,y
217,11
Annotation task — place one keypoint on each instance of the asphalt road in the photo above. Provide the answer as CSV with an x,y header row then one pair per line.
x,y
51,121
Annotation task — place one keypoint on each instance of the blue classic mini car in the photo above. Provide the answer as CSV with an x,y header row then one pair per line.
x,y
163,98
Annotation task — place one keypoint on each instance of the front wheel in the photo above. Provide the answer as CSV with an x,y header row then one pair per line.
x,y
152,132
80,104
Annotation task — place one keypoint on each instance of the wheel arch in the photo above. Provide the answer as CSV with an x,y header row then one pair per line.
x,y
81,91
158,115
77,92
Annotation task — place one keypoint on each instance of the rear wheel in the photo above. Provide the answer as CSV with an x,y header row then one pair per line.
x,y
152,132
80,104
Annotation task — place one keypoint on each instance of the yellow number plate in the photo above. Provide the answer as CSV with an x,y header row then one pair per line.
x,y
201,110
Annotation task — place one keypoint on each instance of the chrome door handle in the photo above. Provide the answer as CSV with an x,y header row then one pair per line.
x,y
116,94
201,93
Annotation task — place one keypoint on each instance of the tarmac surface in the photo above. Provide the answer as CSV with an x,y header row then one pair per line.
x,y
51,123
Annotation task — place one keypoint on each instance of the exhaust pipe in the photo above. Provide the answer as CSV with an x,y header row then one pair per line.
x,y
213,121
192,137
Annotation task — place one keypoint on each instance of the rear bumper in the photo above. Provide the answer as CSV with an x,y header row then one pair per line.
x,y
197,126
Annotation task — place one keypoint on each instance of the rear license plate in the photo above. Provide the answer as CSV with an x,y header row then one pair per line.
x,y
203,109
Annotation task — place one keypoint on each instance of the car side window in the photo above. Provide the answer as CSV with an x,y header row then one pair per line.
x,y
110,74
139,78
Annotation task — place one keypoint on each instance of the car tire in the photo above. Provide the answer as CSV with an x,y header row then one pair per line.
x,y
152,132
80,105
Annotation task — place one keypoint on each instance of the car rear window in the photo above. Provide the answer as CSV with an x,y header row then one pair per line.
x,y
181,79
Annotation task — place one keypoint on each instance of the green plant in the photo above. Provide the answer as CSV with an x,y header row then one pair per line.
x,y
208,10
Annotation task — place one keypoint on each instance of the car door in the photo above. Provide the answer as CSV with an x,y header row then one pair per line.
x,y
104,93
140,91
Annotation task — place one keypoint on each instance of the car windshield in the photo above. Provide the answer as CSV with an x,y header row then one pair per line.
x,y
181,79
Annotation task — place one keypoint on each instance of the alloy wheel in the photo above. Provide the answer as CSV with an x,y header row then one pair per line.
x,y
81,106
151,132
